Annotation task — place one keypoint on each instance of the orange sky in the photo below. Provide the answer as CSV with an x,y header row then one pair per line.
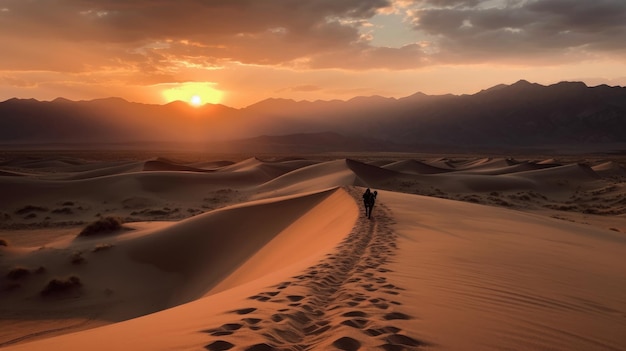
x,y
239,52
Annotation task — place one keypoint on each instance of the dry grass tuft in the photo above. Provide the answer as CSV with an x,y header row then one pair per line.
x,y
59,286
103,225
18,273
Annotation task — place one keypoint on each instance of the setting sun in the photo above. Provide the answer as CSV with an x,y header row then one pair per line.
x,y
194,93
196,100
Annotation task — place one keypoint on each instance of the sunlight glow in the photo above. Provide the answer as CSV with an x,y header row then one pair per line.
x,y
196,100
194,93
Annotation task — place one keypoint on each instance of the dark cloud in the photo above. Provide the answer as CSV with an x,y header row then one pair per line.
x,y
366,57
259,32
534,30
137,20
450,3
151,37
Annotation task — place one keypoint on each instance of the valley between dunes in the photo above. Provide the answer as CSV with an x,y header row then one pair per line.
x,y
461,253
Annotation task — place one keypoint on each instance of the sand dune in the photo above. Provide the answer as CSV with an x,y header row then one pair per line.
x,y
161,165
211,165
277,255
414,167
608,169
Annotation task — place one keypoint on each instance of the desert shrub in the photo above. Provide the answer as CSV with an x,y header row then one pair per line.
x,y
18,273
30,208
102,226
59,286
4,242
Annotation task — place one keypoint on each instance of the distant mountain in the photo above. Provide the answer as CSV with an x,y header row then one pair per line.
x,y
107,121
521,115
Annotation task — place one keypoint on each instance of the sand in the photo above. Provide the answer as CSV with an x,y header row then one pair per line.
x,y
461,253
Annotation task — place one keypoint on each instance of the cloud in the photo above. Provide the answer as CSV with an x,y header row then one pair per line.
x,y
531,30
253,32
17,82
153,41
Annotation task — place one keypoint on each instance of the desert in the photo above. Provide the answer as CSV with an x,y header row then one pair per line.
x,y
287,175
220,252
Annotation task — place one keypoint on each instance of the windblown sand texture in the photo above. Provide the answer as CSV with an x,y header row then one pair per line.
x,y
461,253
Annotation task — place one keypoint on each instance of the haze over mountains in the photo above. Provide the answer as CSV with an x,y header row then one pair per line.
x,y
518,116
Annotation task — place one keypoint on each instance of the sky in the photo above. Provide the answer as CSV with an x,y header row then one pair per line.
x,y
239,52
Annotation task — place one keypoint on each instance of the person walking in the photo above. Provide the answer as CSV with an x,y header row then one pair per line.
x,y
369,199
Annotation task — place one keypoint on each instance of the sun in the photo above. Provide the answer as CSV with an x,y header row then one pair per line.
x,y
194,93
196,100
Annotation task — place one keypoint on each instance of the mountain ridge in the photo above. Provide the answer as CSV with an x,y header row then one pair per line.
x,y
521,115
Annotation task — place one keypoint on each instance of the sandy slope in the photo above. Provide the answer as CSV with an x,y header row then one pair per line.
x,y
287,260
499,279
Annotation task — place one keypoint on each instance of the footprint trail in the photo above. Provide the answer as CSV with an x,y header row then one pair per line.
x,y
345,302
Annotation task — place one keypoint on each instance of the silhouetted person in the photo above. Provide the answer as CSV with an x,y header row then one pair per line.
x,y
369,198
366,196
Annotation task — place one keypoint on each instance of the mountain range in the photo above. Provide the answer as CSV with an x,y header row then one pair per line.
x,y
519,116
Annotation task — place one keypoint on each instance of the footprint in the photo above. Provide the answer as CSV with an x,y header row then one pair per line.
x,y
226,329
396,315
373,332
347,344
358,323
219,345
231,326
354,314
259,297
390,330
295,298
261,347
283,285
244,310
391,286
382,305
399,339
277,318
251,320
222,333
